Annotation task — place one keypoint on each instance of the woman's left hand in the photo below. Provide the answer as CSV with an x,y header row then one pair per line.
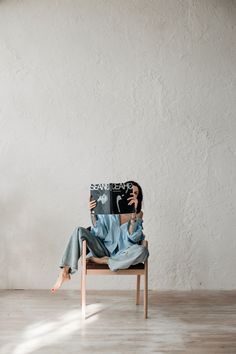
x,y
133,200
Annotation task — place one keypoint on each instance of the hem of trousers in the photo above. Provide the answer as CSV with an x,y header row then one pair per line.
x,y
72,270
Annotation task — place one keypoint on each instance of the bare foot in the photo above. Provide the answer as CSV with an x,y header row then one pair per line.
x,y
62,277
102,260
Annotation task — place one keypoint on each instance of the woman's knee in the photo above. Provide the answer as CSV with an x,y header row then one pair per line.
x,y
83,233
78,231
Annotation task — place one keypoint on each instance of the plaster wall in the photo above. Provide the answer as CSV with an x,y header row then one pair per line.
x,y
106,91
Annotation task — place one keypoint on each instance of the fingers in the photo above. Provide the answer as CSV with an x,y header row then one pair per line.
x,y
92,204
135,202
134,198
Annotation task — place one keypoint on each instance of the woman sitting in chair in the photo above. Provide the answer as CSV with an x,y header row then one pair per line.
x,y
113,240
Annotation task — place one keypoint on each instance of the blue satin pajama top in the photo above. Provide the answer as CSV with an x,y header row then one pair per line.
x,y
116,237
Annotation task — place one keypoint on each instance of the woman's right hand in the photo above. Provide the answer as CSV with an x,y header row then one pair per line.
x,y
92,204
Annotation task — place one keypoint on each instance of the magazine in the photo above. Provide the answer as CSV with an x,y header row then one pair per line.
x,y
112,198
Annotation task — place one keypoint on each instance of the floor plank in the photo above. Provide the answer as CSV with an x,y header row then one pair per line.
x,y
196,322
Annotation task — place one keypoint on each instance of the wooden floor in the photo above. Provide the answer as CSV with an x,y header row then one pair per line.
x,y
35,321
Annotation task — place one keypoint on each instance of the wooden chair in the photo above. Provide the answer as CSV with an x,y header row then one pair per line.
x,y
103,269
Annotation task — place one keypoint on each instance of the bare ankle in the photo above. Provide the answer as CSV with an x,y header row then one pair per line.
x,y
65,270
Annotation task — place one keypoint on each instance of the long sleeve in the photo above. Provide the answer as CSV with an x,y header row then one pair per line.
x,y
137,234
99,227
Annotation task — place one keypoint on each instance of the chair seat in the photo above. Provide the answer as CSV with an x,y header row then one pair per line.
x,y
105,266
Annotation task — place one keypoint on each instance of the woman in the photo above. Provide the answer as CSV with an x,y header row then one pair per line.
x,y
113,240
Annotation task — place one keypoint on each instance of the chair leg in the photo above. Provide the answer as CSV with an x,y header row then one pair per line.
x,y
83,280
146,290
138,290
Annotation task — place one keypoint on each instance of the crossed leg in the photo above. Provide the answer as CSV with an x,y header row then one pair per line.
x,y
102,260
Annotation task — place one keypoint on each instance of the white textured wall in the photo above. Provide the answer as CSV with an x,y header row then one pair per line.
x,y
101,91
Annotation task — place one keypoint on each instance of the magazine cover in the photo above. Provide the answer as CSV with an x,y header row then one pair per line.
x,y
112,198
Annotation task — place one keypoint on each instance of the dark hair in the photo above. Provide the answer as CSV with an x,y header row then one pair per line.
x,y
140,195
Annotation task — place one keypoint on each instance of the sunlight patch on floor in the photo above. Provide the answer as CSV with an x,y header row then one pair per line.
x,y
40,334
